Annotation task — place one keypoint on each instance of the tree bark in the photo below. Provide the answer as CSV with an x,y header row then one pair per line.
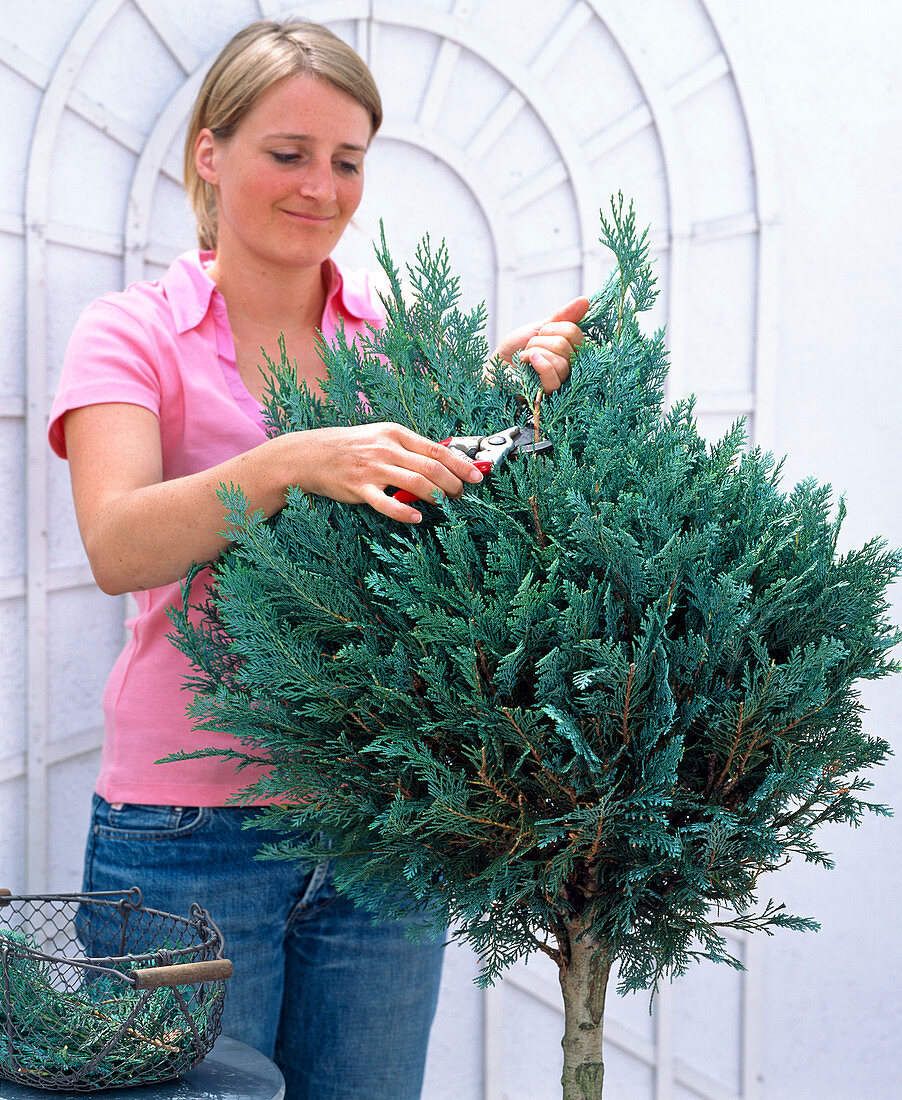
x,y
584,981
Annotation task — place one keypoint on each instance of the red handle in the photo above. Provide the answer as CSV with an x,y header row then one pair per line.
x,y
484,466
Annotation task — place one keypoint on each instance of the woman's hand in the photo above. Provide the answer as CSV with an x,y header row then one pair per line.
x,y
356,465
548,345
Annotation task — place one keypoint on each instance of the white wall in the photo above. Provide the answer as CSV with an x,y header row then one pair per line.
x,y
761,140
831,76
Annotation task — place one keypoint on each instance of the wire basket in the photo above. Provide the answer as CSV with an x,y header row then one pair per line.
x,y
97,991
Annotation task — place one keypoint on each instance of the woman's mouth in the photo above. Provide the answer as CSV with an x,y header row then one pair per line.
x,y
304,216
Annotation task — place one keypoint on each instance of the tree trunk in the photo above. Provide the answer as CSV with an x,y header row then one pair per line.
x,y
583,982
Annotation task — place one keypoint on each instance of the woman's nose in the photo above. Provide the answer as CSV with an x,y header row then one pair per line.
x,y
317,182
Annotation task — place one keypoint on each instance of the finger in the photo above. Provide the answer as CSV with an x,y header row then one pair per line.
x,y
551,369
438,460
422,469
567,331
425,480
392,507
573,311
557,340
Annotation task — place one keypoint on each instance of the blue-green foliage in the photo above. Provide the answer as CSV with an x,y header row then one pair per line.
x,y
620,677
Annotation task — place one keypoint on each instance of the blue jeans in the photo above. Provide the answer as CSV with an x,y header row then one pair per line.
x,y
343,1005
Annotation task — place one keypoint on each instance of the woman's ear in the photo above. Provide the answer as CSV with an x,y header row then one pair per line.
x,y
205,156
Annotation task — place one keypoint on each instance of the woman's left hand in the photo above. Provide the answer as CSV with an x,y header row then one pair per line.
x,y
548,345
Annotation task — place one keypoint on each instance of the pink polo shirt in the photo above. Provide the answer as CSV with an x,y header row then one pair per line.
x,y
167,346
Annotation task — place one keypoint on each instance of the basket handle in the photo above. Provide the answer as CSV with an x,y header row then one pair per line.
x,y
165,977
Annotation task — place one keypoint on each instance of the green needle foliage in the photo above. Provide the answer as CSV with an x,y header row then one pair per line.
x,y
604,690
93,1034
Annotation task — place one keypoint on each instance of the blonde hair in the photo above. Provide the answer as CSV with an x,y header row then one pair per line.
x,y
258,56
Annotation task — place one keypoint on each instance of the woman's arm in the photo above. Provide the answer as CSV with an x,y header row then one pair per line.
x,y
141,532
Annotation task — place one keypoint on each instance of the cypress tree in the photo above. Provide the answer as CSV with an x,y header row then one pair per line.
x,y
583,708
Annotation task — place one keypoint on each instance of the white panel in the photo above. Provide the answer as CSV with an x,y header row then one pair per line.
x,y
549,223
12,682
522,148
836,993
157,270
394,168
208,26
711,122
85,640
519,31
631,1078
12,500
42,30
73,281
345,28
591,105
64,548
69,817
454,1068
531,1047
475,92
437,83
445,6
656,317
635,166
12,314
715,425
707,1022
89,174
536,296
20,106
676,36
152,71
12,847
402,66
630,1012
721,317
172,224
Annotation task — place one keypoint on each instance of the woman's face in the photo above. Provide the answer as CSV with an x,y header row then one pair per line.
x,y
290,177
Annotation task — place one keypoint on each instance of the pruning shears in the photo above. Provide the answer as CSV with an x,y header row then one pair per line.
x,y
488,451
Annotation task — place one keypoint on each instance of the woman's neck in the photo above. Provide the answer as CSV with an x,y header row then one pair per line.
x,y
277,299
264,303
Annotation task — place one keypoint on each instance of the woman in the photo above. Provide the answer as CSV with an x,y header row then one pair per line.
x,y
158,405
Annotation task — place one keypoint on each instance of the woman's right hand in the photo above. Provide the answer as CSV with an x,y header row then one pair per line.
x,y
356,465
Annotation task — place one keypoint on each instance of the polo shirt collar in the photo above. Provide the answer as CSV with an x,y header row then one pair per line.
x,y
350,294
189,291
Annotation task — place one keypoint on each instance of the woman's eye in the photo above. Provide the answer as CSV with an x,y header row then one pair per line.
x,y
348,167
284,158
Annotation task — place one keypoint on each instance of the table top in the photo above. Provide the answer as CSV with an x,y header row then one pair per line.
x,y
231,1071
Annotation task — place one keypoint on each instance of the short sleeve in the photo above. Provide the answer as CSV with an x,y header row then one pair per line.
x,y
110,358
